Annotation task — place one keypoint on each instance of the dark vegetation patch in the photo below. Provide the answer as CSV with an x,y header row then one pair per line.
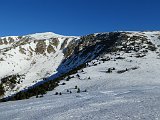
x,y
50,49
1,59
2,91
127,69
41,89
22,50
12,80
40,47
54,41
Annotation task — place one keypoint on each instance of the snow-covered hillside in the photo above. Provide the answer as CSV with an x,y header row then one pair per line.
x,y
29,59
120,83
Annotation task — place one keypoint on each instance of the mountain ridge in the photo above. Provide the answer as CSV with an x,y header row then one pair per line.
x,y
42,57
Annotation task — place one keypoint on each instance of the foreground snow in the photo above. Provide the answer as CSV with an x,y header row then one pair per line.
x,y
132,103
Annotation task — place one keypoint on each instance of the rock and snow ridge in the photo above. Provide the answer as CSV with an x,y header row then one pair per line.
x,y
121,83
33,58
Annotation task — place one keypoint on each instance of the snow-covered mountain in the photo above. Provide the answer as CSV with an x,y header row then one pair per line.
x,y
99,76
31,59
25,60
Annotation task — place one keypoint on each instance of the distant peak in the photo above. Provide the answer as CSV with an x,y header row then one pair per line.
x,y
46,35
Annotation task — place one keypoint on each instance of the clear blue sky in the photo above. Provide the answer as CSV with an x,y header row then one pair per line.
x,y
77,17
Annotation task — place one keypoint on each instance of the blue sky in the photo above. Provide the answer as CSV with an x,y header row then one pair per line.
x,y
77,17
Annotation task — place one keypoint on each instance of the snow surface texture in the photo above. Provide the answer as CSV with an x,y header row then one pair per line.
x,y
132,94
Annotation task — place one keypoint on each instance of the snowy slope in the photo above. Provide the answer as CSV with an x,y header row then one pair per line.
x,y
130,91
36,57
33,57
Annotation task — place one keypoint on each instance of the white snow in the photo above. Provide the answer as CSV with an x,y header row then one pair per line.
x,y
46,35
132,95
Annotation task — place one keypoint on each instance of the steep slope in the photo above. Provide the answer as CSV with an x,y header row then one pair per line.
x,y
120,83
45,56
28,59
